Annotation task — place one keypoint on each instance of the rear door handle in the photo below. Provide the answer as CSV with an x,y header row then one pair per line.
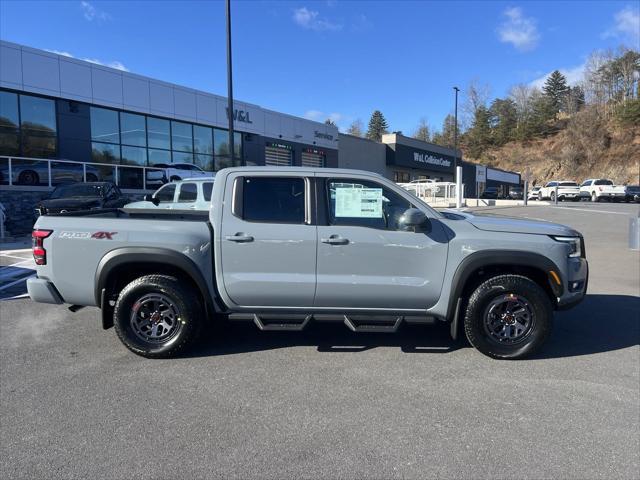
x,y
335,240
239,237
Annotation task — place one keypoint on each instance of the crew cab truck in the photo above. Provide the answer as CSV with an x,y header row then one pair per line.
x,y
283,246
565,189
597,189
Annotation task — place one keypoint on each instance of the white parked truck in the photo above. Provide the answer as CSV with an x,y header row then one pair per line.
x,y
566,190
597,189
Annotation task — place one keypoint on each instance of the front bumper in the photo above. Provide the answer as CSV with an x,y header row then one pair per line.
x,y
43,291
577,275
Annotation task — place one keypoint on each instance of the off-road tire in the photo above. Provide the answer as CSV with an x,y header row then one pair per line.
x,y
187,304
493,288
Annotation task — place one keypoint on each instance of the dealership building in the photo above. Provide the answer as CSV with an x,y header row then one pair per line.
x,y
64,120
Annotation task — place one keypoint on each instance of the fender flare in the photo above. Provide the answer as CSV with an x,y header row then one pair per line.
x,y
488,258
153,255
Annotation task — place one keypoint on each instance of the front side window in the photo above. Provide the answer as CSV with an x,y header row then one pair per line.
x,y
166,193
363,203
274,200
188,192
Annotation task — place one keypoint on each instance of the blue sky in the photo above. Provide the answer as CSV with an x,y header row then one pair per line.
x,y
339,59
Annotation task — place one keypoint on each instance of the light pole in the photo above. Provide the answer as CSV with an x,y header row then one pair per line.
x,y
455,133
457,172
229,84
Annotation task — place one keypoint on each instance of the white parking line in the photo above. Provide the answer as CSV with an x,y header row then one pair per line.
x,y
593,210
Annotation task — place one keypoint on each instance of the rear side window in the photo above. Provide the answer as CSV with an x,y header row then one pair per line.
x,y
166,193
206,190
188,192
274,200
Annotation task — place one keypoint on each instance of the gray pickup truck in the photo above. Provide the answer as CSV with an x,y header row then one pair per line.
x,y
284,246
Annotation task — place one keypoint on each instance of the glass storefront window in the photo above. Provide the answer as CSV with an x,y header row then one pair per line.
x,y
181,136
4,171
202,140
30,172
205,162
159,133
182,157
63,172
159,156
134,155
222,161
133,130
38,126
9,122
221,142
105,153
104,125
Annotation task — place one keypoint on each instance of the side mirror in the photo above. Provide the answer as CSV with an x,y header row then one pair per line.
x,y
150,198
413,218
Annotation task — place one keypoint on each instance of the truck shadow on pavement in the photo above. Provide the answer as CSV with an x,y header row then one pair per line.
x,y
601,323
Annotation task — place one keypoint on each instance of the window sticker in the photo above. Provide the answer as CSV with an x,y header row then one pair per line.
x,y
358,202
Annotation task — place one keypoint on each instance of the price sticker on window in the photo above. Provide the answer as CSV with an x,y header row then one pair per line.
x,y
358,202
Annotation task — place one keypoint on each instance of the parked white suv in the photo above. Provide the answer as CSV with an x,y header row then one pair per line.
x,y
172,172
567,190
190,194
597,189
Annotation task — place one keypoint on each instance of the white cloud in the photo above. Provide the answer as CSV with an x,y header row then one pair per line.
x,y
91,13
311,20
58,52
518,30
320,116
626,26
574,76
114,64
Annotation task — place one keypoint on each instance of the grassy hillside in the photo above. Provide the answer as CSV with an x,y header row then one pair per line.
x,y
585,146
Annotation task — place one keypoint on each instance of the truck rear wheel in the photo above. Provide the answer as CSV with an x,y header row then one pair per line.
x,y
156,317
508,317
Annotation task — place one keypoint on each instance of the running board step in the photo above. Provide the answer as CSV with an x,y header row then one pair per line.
x,y
277,322
364,325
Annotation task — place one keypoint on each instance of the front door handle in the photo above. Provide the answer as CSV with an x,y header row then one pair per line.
x,y
335,240
239,237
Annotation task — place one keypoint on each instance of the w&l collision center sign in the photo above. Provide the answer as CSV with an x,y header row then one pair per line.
x,y
407,156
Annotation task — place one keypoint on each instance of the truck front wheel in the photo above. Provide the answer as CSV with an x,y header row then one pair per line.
x,y
508,317
156,317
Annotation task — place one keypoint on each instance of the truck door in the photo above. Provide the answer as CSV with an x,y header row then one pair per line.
x,y
367,259
268,245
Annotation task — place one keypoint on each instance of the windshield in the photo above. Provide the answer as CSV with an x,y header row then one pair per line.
x,y
568,184
77,190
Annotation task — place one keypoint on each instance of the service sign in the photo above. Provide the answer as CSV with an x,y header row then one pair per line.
x,y
406,156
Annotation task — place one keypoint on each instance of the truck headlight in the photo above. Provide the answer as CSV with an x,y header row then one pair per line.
x,y
575,247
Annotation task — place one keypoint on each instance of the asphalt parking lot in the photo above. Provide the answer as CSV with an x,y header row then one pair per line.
x,y
326,403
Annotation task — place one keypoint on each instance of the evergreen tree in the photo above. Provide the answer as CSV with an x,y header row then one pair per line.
x,y
556,89
542,115
504,120
328,121
377,126
478,138
356,128
422,132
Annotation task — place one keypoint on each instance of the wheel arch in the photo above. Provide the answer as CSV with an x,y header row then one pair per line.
x,y
479,266
120,266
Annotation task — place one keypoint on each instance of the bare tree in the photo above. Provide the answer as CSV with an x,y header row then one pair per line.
x,y
422,131
356,128
476,95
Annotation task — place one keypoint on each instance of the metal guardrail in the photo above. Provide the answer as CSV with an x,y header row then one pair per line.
x,y
434,193
40,172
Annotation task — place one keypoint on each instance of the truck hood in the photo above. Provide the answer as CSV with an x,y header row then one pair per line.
x,y
517,225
